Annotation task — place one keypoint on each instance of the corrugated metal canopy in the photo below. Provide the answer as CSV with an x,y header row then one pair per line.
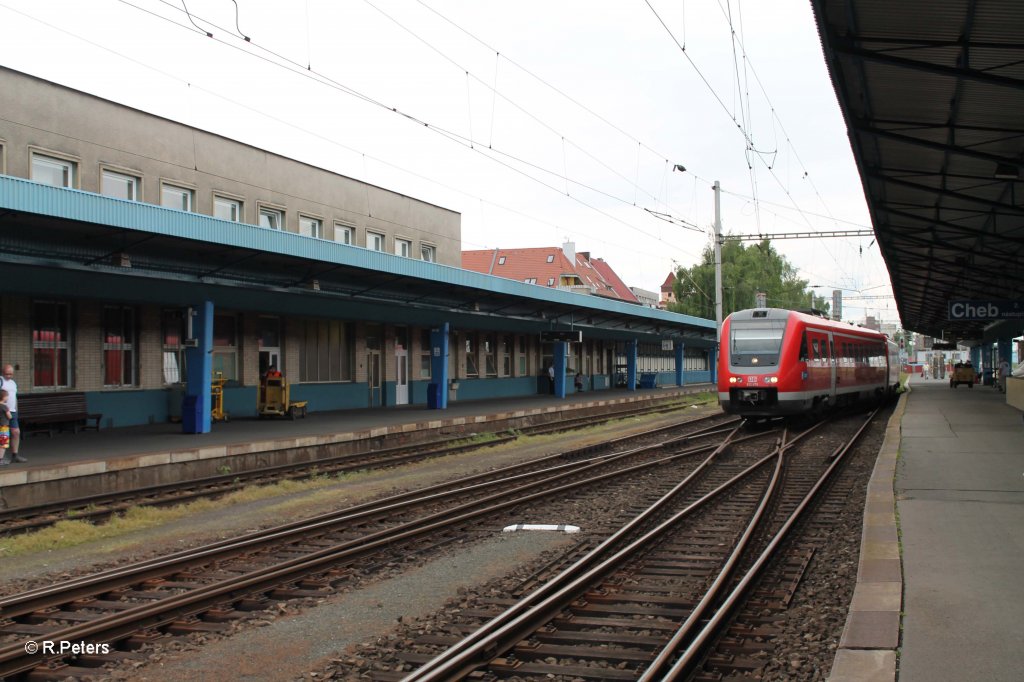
x,y
70,243
933,96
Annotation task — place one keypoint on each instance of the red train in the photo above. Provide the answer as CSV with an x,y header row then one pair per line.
x,y
775,362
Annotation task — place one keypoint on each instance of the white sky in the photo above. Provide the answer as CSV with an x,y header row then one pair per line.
x,y
577,111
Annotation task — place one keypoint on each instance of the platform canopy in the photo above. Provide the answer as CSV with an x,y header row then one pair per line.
x,y
70,243
933,96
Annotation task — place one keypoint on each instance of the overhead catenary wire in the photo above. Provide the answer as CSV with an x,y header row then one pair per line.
x,y
297,69
485,137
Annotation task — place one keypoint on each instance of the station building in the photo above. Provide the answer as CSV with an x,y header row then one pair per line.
x,y
141,256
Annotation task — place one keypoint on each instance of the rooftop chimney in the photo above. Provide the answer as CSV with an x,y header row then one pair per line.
x,y
569,249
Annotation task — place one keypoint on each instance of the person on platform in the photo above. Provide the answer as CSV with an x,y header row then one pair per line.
x,y
5,428
1004,371
8,384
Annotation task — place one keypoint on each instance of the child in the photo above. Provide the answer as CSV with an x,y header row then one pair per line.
x,y
5,428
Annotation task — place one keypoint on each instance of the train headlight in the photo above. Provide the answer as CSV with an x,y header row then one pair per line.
x,y
772,380
735,380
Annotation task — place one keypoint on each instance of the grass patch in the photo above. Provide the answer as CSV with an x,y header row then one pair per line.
x,y
72,533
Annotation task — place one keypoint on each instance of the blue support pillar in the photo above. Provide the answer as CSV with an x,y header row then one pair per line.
x,y
631,365
561,353
680,359
199,363
713,364
976,357
438,367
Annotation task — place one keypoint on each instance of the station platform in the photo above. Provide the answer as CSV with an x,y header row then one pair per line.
x,y
94,462
943,544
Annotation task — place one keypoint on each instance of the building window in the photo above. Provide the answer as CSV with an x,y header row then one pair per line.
x,y
403,248
54,172
428,253
426,349
551,281
343,233
311,227
271,218
507,350
501,261
523,357
472,362
180,198
551,259
327,351
119,185
226,208
50,344
491,355
118,346
374,241
268,333
225,346
172,333
530,280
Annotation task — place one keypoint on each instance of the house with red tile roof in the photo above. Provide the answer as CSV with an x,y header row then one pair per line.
x,y
550,266
668,291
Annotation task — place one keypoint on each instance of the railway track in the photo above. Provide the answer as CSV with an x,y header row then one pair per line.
x,y
200,590
654,606
101,507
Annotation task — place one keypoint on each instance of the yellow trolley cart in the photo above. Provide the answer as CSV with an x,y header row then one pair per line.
x,y
217,412
273,399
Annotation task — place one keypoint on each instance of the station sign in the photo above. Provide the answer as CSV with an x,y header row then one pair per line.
x,y
668,344
554,336
960,310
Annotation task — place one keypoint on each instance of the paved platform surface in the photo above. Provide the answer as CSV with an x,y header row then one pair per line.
x,y
68,455
948,489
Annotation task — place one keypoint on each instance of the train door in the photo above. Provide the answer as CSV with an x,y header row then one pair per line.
x,y
834,366
820,373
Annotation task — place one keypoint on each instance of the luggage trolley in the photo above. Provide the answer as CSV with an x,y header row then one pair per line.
x,y
217,412
273,399
963,373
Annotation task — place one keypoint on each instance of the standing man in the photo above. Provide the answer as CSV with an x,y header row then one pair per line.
x,y
1004,371
8,384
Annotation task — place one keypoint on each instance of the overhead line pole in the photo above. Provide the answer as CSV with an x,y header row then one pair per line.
x,y
718,261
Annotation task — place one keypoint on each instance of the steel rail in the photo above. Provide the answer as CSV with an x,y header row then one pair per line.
x,y
687,659
35,599
14,659
98,507
516,622
526,615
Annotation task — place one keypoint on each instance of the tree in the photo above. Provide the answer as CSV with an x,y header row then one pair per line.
x,y
746,270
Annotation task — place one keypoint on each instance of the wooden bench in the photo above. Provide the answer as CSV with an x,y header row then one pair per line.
x,y
39,412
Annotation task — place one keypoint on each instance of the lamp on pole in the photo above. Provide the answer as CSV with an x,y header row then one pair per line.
x,y
718,253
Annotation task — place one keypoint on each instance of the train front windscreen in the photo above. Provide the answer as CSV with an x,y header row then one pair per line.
x,y
755,345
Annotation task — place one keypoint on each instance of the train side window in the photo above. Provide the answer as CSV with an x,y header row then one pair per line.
x,y
803,349
814,346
